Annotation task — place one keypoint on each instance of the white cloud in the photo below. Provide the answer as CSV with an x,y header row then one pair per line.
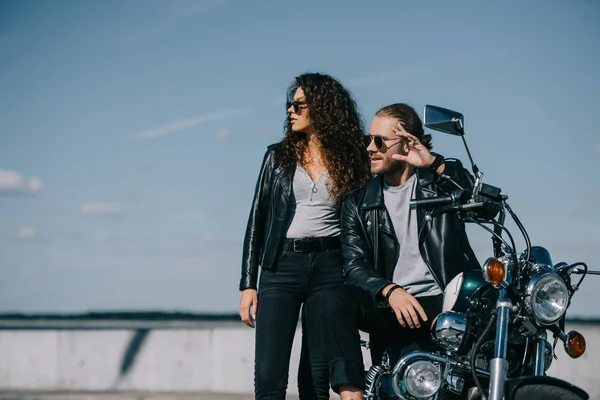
x,y
102,209
35,184
175,126
14,182
223,135
26,233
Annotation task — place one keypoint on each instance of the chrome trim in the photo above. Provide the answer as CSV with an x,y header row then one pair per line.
x,y
371,388
541,272
501,342
498,370
499,364
539,358
548,356
455,383
405,361
409,378
450,330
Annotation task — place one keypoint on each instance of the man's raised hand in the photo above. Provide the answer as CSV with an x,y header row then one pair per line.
x,y
413,151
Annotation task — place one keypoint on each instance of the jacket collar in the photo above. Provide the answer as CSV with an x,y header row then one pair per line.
x,y
373,197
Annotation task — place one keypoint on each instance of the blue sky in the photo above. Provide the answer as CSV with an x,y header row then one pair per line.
x,y
131,133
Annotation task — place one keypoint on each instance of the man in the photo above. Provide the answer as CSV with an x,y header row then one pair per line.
x,y
396,263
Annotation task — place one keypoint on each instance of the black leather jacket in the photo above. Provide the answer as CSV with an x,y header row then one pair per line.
x,y
370,255
268,220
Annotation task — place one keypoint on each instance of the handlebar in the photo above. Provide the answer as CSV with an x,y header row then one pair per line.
x,y
431,202
456,207
457,197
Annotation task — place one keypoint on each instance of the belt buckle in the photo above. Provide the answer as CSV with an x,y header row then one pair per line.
x,y
298,248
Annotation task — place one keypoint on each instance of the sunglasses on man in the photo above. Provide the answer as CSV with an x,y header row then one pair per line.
x,y
379,141
296,105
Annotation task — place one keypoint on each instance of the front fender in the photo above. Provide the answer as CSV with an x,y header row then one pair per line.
x,y
544,387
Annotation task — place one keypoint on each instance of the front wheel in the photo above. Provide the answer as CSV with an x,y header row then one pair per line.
x,y
544,392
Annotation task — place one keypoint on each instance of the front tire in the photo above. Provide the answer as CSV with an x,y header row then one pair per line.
x,y
544,392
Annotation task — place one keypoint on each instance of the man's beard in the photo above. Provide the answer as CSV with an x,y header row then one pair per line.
x,y
390,166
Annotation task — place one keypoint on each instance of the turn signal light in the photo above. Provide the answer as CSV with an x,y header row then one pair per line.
x,y
495,271
575,344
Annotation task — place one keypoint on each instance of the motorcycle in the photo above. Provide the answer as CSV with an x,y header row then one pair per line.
x,y
493,329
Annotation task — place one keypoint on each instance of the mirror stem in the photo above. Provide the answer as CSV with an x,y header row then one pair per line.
x,y
460,128
473,165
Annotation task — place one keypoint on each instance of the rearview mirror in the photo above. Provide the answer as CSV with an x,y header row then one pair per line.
x,y
444,120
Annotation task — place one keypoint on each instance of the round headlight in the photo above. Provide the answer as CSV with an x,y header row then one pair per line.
x,y
422,379
449,330
547,297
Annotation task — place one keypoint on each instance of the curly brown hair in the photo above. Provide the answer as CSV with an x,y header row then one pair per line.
x,y
339,128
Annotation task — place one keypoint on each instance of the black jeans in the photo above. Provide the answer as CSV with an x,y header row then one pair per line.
x,y
296,279
344,311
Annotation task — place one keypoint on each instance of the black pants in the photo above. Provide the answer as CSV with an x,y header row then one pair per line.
x,y
296,279
344,311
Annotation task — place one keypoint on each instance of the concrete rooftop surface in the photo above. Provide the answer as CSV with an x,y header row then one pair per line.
x,y
17,395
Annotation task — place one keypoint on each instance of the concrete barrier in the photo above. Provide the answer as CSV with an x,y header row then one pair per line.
x,y
192,357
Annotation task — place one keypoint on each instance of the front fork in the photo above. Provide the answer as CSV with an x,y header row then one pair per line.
x,y
499,364
539,357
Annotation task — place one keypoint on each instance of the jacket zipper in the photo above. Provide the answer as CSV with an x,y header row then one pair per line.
x,y
375,227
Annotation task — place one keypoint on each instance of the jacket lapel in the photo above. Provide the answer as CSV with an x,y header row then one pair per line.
x,y
374,201
425,179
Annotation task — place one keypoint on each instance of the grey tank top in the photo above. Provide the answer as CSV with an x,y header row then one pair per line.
x,y
411,272
316,213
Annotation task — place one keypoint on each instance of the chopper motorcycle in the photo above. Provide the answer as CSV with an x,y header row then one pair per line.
x,y
493,332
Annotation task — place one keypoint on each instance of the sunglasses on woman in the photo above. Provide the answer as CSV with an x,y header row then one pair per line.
x,y
295,104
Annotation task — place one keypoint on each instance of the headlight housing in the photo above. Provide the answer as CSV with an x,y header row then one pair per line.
x,y
546,297
422,379
449,330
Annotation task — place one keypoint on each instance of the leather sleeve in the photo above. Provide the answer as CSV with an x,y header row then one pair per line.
x,y
358,260
255,227
455,170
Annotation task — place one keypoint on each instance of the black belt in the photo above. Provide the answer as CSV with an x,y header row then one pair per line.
x,y
309,245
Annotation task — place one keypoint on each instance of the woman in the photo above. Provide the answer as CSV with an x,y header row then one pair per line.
x,y
293,229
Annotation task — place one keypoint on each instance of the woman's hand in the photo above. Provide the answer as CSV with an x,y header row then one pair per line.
x,y
248,305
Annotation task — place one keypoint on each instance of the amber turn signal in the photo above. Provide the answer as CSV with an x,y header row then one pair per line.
x,y
575,344
495,271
